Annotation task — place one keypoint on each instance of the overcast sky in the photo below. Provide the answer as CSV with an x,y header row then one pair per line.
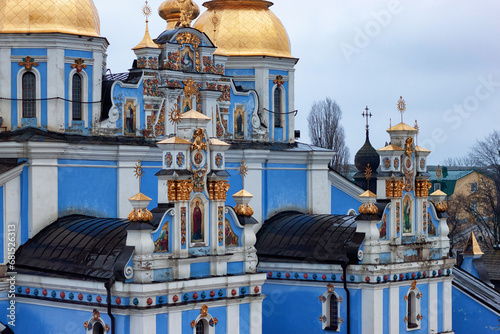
x,y
441,56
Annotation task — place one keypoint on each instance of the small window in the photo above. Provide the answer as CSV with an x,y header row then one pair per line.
x,y
277,108
412,310
97,328
473,187
29,95
77,97
334,313
200,327
437,186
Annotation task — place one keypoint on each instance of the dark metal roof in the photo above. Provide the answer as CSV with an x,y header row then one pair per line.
x,y
491,261
297,237
30,134
476,289
8,164
79,247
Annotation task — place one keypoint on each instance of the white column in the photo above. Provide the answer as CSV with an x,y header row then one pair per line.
x,y
233,319
12,209
256,316
394,309
433,309
142,323
372,310
291,105
96,89
319,193
43,194
174,323
5,85
262,88
447,304
56,82
253,159
128,186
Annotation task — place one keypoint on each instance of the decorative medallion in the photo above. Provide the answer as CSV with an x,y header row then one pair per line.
x,y
396,163
213,322
220,218
28,63
425,215
188,38
408,164
198,159
401,106
204,311
79,65
279,80
168,159
199,141
422,163
175,114
413,285
199,179
330,288
218,160
180,159
398,219
409,146
387,163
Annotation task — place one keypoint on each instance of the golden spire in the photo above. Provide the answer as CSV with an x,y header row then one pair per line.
x,y
147,41
472,246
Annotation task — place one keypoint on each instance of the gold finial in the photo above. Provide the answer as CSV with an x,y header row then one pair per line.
x,y
243,172
401,107
416,128
366,114
146,11
472,246
139,172
187,10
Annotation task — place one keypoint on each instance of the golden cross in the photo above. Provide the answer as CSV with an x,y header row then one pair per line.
x,y
367,115
401,107
139,172
439,173
243,171
28,63
279,80
146,11
79,64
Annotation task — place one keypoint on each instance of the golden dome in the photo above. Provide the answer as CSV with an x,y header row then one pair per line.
x,y
244,28
169,10
77,17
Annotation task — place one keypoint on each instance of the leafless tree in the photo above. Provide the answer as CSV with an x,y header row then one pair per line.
x,y
326,131
483,205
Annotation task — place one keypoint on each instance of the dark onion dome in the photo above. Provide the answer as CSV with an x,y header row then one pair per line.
x,y
366,155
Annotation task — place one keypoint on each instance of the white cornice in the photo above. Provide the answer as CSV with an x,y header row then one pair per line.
x,y
53,40
11,174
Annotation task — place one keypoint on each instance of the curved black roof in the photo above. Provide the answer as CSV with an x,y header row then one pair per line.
x,y
292,236
79,247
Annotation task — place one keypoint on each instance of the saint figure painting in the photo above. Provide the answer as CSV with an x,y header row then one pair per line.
x,y
407,221
197,234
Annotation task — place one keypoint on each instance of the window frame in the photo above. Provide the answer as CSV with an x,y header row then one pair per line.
x,y
38,96
84,97
413,309
326,308
76,101
283,110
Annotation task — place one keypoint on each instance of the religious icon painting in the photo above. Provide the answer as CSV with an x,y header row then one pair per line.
x,y
186,105
232,240
432,231
168,159
387,163
187,59
197,221
161,245
396,163
383,228
239,123
407,215
198,159
130,117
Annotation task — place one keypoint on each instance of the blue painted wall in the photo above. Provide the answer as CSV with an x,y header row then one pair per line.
x,y
216,312
162,323
24,205
87,190
342,203
302,301
244,318
3,233
469,316
200,269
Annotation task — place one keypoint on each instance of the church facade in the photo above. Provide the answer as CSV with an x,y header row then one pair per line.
x,y
174,198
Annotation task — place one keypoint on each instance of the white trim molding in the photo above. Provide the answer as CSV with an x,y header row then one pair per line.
x,y
84,97
38,106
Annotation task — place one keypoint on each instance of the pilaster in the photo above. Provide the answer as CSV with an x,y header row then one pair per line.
x,y
5,87
55,81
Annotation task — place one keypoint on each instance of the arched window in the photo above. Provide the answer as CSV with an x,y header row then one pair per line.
x,y
77,97
412,310
277,108
97,329
334,313
200,327
29,95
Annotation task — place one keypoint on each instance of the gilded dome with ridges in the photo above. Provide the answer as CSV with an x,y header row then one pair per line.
x,y
244,28
77,17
